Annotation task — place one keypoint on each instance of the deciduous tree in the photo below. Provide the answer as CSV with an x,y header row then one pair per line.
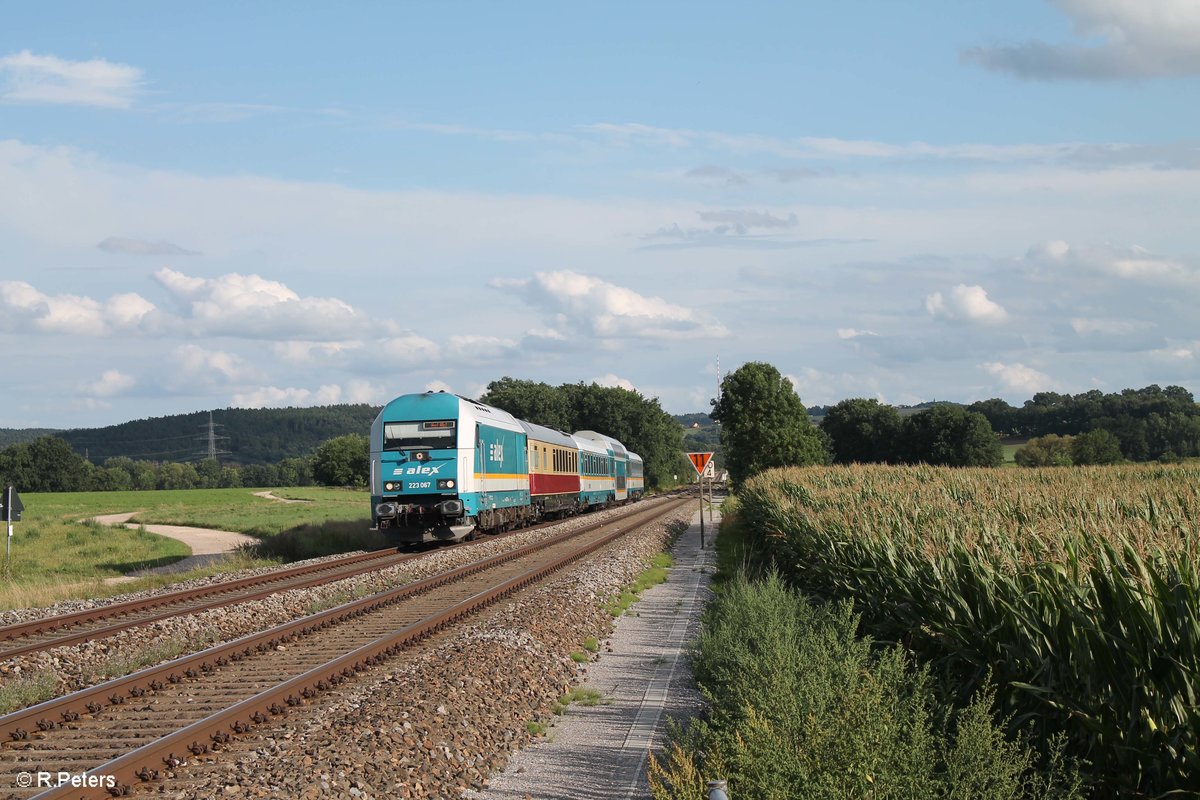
x,y
764,424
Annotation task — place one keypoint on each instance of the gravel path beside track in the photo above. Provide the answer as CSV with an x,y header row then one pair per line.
x,y
600,752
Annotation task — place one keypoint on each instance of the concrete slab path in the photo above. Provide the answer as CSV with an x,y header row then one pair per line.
x,y
208,545
600,753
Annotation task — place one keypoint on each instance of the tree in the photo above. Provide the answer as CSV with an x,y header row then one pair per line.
x,y
764,424
1050,450
952,436
47,464
342,461
539,403
177,476
862,431
1096,447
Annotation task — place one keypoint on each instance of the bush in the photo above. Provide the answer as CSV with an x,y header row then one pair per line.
x,y
801,707
1050,450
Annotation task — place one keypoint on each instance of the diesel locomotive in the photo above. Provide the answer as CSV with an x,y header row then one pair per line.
x,y
444,467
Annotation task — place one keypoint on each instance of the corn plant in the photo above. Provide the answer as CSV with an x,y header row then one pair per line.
x,y
1077,590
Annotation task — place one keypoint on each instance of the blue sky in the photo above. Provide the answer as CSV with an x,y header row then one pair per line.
x,y
293,204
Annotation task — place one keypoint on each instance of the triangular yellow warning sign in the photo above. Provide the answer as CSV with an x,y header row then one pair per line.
x,y
699,461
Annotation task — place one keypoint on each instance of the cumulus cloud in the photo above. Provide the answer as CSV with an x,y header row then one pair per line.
x,y
615,382
254,307
1132,263
140,247
1116,39
29,78
22,307
406,350
1019,378
110,384
966,304
609,311
295,351
194,365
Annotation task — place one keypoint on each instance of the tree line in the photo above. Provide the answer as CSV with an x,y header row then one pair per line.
x,y
764,424
1148,424
49,464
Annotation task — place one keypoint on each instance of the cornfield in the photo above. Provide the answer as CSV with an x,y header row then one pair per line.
x,y
1075,591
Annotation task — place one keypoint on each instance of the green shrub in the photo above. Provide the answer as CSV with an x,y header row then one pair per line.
x,y
801,707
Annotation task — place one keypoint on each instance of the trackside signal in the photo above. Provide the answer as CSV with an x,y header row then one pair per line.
x,y
699,461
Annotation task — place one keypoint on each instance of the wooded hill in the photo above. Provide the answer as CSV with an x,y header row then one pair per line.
x,y
241,435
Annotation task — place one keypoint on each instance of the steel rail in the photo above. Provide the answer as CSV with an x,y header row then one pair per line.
x,y
148,762
325,572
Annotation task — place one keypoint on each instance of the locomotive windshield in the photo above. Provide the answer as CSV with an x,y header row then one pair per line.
x,y
428,435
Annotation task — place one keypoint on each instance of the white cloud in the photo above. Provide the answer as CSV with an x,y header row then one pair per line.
x,y
22,305
110,384
407,350
254,307
1019,378
192,364
615,382
853,333
968,304
30,78
609,311
295,351
1132,263
275,397
1117,39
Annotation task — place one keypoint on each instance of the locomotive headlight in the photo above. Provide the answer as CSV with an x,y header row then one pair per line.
x,y
389,487
448,483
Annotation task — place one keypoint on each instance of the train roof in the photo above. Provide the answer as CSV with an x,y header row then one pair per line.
x,y
444,405
634,456
612,445
543,434
591,445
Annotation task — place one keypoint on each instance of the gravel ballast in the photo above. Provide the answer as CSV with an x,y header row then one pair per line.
x,y
438,723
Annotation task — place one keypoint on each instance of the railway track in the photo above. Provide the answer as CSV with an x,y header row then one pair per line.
x,y
136,729
96,623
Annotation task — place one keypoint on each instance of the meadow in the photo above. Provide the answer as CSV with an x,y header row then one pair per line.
x,y
1074,591
56,553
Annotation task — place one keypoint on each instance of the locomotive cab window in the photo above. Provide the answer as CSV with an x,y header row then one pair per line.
x,y
428,435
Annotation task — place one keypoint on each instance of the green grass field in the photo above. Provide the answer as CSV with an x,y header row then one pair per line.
x,y
56,556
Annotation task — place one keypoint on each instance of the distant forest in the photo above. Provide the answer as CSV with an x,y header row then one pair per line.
x,y
241,435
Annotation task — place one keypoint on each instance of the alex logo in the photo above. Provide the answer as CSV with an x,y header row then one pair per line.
x,y
428,470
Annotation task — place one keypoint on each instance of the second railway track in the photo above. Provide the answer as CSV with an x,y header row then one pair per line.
x,y
163,715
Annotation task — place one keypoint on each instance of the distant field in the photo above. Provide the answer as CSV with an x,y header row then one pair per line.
x,y
55,556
